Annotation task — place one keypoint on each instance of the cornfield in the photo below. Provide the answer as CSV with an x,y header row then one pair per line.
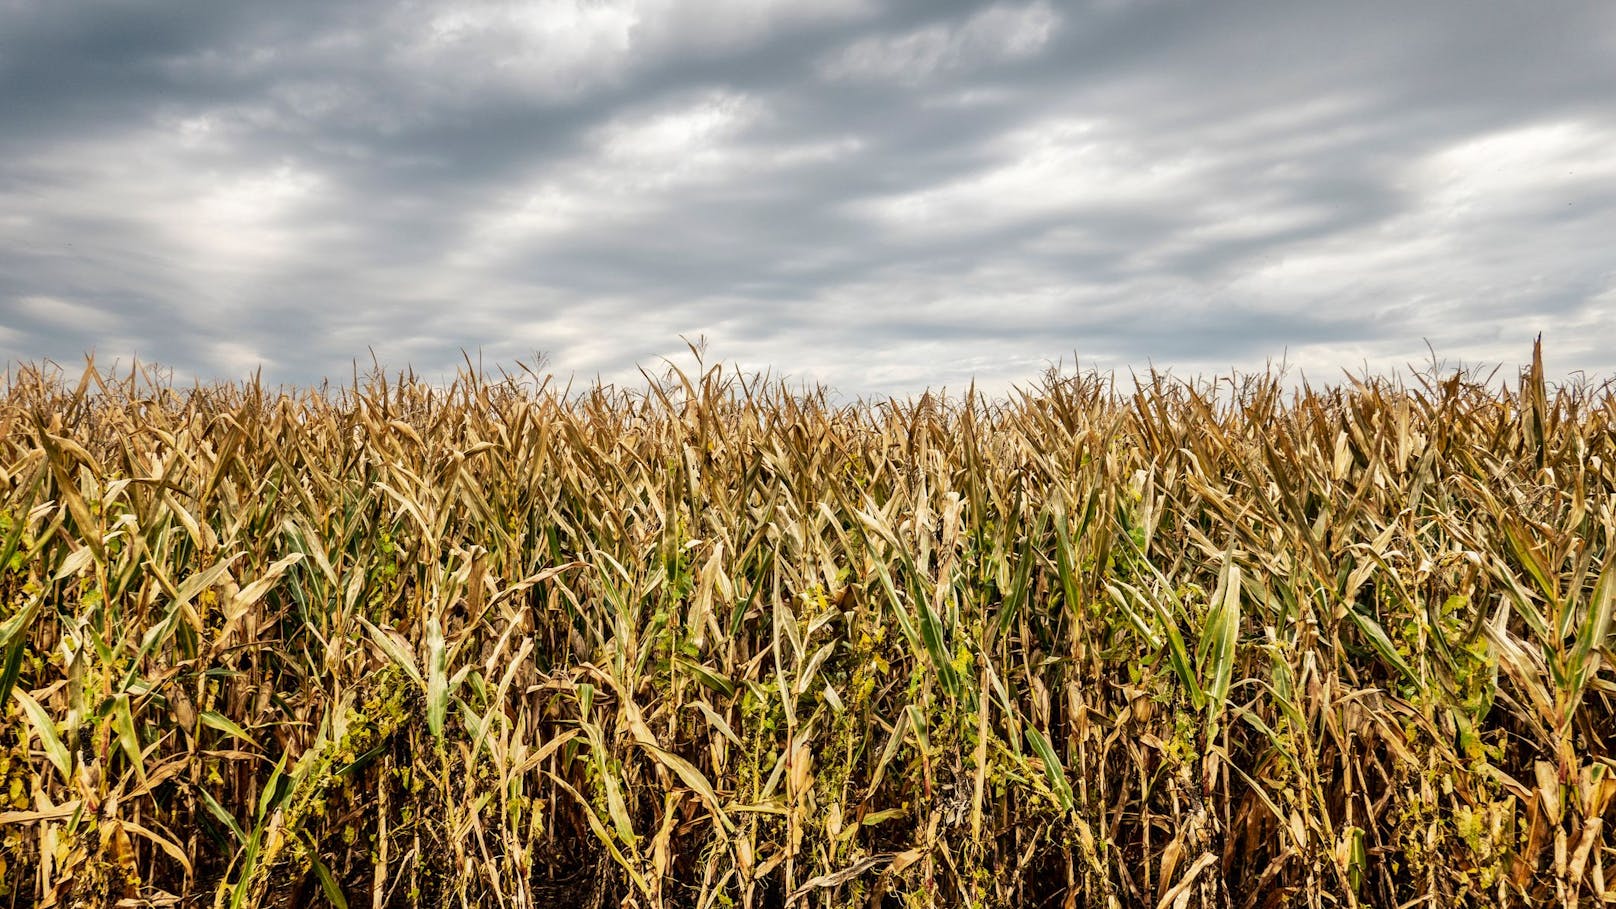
x,y
715,641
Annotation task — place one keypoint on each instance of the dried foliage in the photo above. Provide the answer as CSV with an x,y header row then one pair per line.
x,y
717,643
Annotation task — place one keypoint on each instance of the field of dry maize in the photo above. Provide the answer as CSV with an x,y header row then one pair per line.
x,y
717,642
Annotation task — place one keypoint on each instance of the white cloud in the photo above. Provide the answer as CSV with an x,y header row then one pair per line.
x,y
171,218
633,162
682,142
1489,248
61,313
999,34
1504,175
636,167
233,358
1060,166
705,26
246,223
554,49
562,49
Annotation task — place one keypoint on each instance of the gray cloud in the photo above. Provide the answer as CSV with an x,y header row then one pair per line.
x,y
879,195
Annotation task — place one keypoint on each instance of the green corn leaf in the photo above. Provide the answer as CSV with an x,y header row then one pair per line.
x,y
1178,656
1223,628
718,722
128,736
1527,556
10,669
397,650
917,722
708,677
224,817
15,527
328,883
270,798
933,634
12,629
12,641
1022,583
693,778
437,678
1595,627
215,720
202,580
1357,858
1053,770
602,834
1382,644
56,752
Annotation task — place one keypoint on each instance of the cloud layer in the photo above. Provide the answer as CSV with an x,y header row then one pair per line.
x,y
877,195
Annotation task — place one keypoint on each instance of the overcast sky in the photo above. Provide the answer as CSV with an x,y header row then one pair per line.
x,y
876,194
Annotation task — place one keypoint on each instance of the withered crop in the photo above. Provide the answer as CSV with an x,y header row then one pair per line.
x,y
717,643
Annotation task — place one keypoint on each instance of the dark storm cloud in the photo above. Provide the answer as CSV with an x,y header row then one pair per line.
x,y
876,195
